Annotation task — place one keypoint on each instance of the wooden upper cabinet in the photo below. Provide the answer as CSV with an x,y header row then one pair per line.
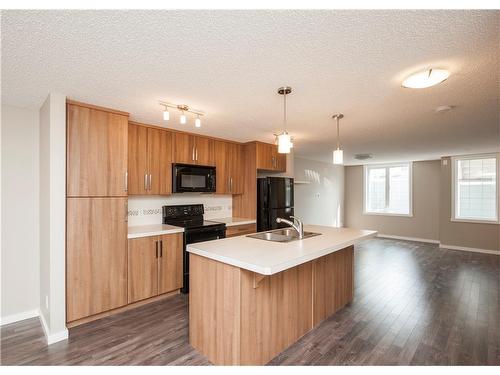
x,y
222,157
191,149
96,256
142,268
150,161
229,163
269,159
160,161
183,148
137,159
170,263
96,152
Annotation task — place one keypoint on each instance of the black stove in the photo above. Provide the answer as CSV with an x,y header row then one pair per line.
x,y
196,229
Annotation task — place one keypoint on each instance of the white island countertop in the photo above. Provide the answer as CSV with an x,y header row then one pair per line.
x,y
233,221
138,231
268,257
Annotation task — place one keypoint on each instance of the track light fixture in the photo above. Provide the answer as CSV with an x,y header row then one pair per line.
x,y
183,109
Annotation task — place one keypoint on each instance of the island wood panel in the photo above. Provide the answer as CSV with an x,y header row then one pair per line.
x,y
137,159
160,161
96,152
96,256
239,230
333,283
214,310
170,262
142,268
275,312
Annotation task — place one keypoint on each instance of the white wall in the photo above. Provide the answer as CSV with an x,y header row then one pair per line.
x,y
147,210
53,217
20,244
321,201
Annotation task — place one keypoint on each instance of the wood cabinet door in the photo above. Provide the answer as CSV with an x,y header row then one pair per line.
x,y
265,156
159,161
183,148
204,151
170,263
96,152
280,164
142,268
237,169
137,159
96,256
222,157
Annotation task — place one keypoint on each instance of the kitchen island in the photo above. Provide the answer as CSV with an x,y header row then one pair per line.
x,y
250,299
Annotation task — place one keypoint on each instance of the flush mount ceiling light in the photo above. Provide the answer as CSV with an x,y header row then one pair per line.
x,y
426,78
183,108
284,140
444,108
338,154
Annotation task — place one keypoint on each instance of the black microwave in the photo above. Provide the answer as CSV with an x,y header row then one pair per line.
x,y
193,178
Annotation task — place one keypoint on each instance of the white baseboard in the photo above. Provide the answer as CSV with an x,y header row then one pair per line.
x,y
54,337
462,248
18,317
407,238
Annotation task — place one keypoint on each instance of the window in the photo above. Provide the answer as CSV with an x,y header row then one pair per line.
x,y
388,189
475,192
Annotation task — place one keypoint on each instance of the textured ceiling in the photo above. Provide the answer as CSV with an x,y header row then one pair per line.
x,y
230,63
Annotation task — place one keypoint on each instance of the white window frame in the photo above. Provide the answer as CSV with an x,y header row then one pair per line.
x,y
367,167
454,163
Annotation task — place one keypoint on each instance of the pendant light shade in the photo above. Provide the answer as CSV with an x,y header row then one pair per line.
x,y
284,139
284,143
197,122
338,157
338,154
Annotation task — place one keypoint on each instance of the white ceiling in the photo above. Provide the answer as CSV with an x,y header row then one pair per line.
x,y
230,63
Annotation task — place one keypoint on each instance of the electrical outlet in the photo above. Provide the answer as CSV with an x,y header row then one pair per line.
x,y
47,302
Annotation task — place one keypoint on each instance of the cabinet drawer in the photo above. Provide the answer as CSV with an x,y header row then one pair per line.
x,y
239,230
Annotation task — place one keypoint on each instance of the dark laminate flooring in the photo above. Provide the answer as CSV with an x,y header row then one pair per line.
x,y
415,304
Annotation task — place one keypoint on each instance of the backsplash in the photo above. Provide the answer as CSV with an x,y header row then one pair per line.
x,y
147,210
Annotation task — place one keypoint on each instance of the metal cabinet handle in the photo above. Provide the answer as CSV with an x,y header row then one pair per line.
x,y
192,157
161,248
146,181
156,249
126,211
231,184
196,153
149,184
126,181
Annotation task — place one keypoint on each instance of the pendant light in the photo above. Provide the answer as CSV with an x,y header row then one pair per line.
x,y
284,139
197,122
338,154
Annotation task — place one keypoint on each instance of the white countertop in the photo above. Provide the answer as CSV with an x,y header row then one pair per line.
x,y
268,257
138,231
232,221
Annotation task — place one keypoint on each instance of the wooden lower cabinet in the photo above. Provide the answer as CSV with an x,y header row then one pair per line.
x,y
240,230
239,317
96,256
154,266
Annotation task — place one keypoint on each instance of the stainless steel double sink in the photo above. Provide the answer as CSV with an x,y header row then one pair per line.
x,y
281,235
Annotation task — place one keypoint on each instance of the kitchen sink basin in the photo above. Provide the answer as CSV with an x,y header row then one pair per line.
x,y
281,235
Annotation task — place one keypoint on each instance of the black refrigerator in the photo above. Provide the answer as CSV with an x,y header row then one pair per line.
x,y
274,199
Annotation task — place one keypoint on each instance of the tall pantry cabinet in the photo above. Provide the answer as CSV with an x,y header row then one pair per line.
x,y
96,216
